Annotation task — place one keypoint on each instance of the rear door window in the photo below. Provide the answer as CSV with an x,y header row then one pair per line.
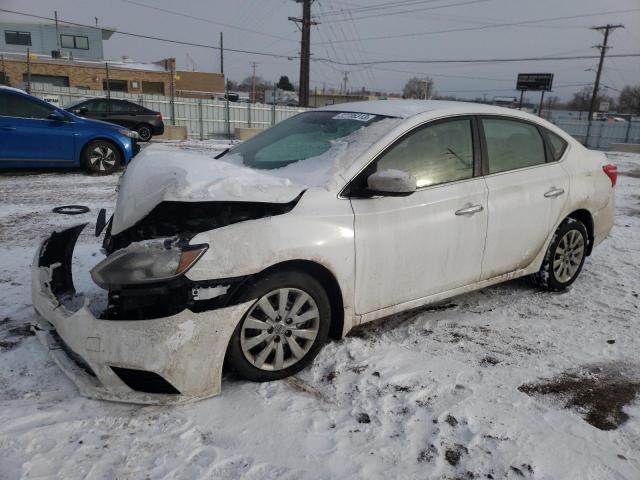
x,y
96,106
121,106
558,145
512,144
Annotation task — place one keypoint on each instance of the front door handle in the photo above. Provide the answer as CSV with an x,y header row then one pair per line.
x,y
6,127
469,210
554,192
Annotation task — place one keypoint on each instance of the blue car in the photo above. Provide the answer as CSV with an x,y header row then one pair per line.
x,y
36,134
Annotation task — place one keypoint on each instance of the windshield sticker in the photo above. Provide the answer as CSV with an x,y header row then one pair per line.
x,y
361,117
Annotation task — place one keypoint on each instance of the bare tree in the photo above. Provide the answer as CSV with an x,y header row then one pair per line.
x,y
629,100
582,99
418,88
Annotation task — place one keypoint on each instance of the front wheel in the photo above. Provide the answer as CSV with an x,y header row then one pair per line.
x,y
145,133
564,258
101,157
284,329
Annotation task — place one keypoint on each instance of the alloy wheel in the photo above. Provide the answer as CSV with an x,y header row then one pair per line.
x,y
102,158
144,133
280,329
568,256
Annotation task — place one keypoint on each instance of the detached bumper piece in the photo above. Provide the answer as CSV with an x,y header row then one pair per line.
x,y
166,360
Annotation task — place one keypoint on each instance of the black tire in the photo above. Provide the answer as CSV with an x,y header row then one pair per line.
x,y
145,132
567,261
101,157
297,281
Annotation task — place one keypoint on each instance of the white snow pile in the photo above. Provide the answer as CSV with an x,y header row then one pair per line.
x,y
198,176
456,391
189,172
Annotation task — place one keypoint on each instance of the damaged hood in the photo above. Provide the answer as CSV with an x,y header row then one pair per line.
x,y
168,173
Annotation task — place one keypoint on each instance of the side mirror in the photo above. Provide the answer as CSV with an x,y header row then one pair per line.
x,y
395,183
82,110
57,116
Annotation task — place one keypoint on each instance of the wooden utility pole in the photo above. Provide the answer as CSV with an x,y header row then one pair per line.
x,y
603,50
221,54
253,83
58,41
304,24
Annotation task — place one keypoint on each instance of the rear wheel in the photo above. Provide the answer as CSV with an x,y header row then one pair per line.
x,y
145,132
283,331
101,157
564,259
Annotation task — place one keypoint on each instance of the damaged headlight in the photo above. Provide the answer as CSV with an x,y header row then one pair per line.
x,y
145,263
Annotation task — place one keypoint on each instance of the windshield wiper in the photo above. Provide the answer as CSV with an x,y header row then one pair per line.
x,y
458,157
222,154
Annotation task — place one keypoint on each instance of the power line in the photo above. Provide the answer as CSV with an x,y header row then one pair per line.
x,y
483,60
377,6
152,37
490,26
206,20
400,12
334,61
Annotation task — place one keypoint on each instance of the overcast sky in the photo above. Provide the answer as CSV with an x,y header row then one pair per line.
x,y
345,34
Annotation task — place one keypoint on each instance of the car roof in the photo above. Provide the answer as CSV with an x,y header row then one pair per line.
x,y
13,89
410,108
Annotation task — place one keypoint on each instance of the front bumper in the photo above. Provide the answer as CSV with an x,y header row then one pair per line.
x,y
182,353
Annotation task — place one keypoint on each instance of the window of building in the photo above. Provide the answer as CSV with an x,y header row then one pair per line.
x,y
58,81
12,37
21,107
116,85
156,88
512,144
74,41
435,154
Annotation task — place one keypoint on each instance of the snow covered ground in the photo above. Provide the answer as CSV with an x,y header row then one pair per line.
x,y
427,394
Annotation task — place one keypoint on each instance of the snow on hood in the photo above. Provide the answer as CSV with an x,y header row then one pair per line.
x,y
165,172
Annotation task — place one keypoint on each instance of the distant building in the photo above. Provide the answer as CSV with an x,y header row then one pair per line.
x,y
317,98
74,57
83,43
122,76
509,102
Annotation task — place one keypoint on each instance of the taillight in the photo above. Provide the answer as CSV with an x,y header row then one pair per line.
x,y
159,115
612,172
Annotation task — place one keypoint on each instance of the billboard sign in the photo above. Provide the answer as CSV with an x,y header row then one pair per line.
x,y
535,81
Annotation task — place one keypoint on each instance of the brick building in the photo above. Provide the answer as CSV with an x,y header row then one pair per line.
x,y
124,76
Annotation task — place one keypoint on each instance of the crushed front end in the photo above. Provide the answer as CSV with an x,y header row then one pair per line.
x,y
155,343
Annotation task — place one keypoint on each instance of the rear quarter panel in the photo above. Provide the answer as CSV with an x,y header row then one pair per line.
x,y
590,187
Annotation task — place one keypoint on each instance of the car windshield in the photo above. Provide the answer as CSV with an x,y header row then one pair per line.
x,y
302,137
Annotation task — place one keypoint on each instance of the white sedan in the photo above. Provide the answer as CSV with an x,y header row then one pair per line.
x,y
330,219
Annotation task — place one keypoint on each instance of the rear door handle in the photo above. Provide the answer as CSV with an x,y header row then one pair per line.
x,y
469,210
554,192
6,127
